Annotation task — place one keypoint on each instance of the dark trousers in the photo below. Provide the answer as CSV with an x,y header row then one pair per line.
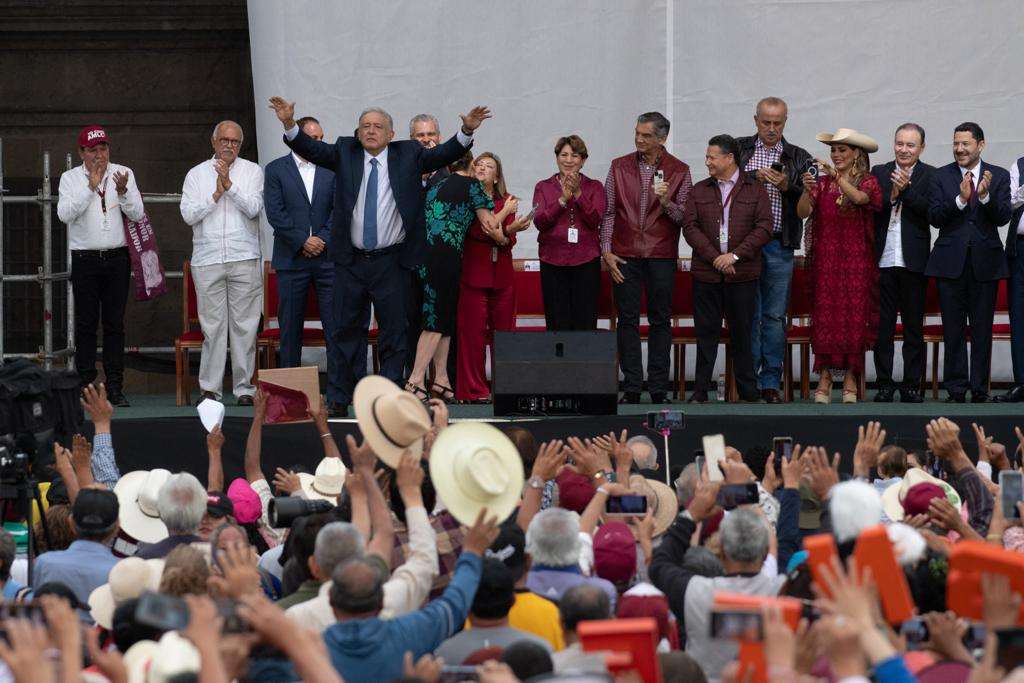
x,y
415,315
99,282
967,299
1016,292
370,278
901,291
736,300
293,289
656,278
570,295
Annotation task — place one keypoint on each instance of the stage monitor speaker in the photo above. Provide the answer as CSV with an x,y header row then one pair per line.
x,y
555,373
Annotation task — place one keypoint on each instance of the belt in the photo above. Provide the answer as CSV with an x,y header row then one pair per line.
x,y
100,253
377,253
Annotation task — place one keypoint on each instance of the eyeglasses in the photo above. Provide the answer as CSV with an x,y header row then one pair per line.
x,y
229,142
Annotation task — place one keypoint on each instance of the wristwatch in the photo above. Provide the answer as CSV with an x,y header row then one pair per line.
x,y
600,477
685,514
535,482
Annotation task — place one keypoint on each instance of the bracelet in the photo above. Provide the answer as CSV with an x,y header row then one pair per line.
x,y
601,489
994,537
325,434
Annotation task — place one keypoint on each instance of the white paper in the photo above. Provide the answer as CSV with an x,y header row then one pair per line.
x,y
211,413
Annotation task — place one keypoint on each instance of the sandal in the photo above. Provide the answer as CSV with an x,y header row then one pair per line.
x,y
419,392
446,394
849,395
824,395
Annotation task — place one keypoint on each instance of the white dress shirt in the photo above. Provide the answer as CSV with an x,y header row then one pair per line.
x,y
307,170
390,230
81,209
725,187
975,179
227,230
892,254
1016,195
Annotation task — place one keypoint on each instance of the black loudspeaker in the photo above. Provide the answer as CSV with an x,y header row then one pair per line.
x,y
555,373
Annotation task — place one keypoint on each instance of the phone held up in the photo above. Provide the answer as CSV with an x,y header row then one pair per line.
x,y
665,420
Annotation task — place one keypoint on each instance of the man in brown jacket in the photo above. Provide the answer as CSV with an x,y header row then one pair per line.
x,y
726,221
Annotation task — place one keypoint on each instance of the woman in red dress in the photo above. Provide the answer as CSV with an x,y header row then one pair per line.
x,y
487,301
841,202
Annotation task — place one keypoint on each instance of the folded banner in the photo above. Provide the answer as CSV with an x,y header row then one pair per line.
x,y
146,269
284,404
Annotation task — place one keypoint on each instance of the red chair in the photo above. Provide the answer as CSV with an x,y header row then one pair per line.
x,y
932,331
191,337
798,330
1001,331
529,298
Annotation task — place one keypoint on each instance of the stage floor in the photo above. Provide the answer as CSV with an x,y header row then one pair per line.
x,y
156,433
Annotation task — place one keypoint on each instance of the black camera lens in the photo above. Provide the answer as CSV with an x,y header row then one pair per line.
x,y
284,510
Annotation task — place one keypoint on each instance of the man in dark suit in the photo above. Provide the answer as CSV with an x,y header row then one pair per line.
x,y
1015,257
378,234
298,200
969,200
902,242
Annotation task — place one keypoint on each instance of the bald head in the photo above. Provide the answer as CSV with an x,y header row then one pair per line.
x,y
583,602
358,589
227,140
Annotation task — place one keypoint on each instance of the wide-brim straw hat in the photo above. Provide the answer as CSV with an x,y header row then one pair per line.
x,y
666,504
892,497
128,579
392,420
327,482
474,467
136,498
848,136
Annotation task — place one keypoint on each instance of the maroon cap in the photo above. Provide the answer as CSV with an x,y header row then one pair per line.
x,y
614,552
90,136
919,496
574,491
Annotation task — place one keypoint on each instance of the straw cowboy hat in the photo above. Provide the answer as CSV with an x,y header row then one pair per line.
x,y
129,578
149,661
327,482
661,501
476,467
848,136
392,420
892,497
136,496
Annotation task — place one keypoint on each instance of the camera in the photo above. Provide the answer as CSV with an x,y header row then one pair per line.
x,y
13,467
812,168
284,510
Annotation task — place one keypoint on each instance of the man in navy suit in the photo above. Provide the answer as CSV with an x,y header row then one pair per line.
x,y
969,200
1015,256
902,242
378,234
298,200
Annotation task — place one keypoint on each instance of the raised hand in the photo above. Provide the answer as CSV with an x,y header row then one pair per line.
x,y
550,459
215,440
96,172
966,185
704,502
809,182
238,573
223,174
470,121
285,111
481,535
95,403
288,482
986,180
121,182
363,457
870,439
943,438
823,476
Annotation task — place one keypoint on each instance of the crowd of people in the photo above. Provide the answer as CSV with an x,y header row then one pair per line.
x,y
423,230
426,551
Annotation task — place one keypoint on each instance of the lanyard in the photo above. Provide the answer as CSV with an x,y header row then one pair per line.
x,y
728,198
103,195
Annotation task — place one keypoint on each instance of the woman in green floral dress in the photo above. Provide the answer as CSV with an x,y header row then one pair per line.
x,y
451,207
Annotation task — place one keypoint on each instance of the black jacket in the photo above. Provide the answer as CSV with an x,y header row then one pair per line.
x,y
795,160
915,232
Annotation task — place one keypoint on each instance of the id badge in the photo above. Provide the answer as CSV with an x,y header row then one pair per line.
x,y
494,254
723,238
106,222
574,235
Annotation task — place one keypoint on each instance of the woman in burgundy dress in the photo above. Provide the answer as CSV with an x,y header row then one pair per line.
x,y
841,202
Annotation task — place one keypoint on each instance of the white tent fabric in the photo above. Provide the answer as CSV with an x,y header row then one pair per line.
x,y
553,67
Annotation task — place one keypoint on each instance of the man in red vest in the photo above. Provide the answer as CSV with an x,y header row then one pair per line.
x,y
646,192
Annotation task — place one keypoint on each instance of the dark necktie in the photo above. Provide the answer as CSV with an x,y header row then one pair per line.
x,y
370,209
974,190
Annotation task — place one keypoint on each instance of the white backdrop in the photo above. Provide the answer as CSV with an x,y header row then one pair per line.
x,y
554,67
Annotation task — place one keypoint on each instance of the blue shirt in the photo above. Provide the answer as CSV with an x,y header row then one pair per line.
x,y
83,567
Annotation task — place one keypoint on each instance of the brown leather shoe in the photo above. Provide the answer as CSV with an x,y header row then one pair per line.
x,y
771,396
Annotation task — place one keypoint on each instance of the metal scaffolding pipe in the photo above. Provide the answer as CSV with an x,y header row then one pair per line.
x,y
70,336
2,326
47,266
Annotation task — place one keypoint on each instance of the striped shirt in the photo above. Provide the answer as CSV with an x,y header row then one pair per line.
x,y
764,157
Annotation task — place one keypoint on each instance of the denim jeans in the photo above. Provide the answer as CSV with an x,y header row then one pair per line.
x,y
768,338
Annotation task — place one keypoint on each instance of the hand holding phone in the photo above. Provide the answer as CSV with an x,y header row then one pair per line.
x,y
714,451
1011,492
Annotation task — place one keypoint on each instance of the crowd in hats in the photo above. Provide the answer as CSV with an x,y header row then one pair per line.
x,y
424,551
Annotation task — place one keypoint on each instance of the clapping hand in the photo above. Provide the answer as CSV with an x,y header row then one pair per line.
x,y
900,180
285,111
470,121
97,170
121,182
986,180
223,174
966,185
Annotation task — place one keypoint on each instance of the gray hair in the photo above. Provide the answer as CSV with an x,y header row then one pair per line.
x,y
336,543
181,503
8,549
378,110
649,461
228,122
770,102
423,118
553,538
745,537
686,484
661,124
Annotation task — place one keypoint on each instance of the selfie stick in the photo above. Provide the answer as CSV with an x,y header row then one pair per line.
x,y
668,470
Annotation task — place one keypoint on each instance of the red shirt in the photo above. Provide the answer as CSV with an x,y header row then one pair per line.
x,y
486,264
553,221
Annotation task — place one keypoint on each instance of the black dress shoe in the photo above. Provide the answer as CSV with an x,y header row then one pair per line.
x,y
1014,395
337,410
630,398
698,397
753,398
117,399
885,395
660,398
911,396
957,398
980,397
245,400
207,395
771,396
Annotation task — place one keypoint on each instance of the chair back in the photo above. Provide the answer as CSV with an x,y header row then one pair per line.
x,y
189,300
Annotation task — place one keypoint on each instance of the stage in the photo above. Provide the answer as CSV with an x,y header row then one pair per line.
x,y
156,433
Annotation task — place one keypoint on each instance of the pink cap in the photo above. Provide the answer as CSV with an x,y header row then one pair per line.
x,y
90,136
614,552
248,507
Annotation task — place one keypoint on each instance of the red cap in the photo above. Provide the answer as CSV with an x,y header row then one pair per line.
x,y
574,490
614,552
90,136
919,496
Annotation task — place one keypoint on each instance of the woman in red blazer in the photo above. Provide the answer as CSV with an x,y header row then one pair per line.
x,y
487,291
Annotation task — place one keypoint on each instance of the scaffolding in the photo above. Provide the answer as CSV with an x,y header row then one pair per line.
x,y
45,199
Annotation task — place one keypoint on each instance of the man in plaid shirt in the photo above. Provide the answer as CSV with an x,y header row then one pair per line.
x,y
770,159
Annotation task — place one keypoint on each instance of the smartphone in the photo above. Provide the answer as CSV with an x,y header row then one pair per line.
x,y
161,611
732,496
1011,491
533,212
31,611
778,167
974,637
456,673
714,451
233,621
665,420
933,465
659,176
915,631
1010,654
626,505
782,446
699,462
737,625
